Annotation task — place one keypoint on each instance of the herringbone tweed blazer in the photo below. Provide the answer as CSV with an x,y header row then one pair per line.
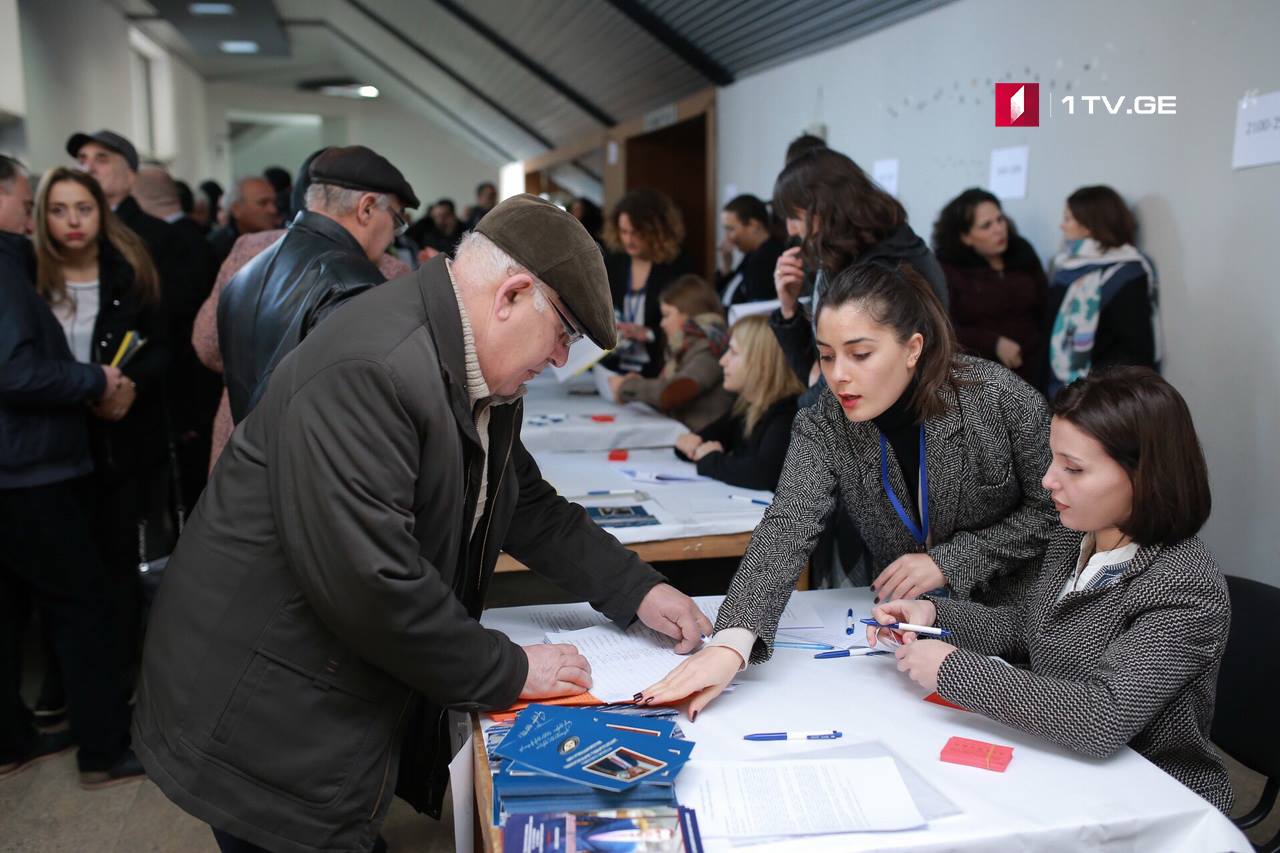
x,y
989,516
1133,662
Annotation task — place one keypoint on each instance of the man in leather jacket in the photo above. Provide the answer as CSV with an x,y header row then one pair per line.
x,y
355,209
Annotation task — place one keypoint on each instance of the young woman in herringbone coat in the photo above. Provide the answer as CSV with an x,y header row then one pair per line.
x,y
937,458
1125,629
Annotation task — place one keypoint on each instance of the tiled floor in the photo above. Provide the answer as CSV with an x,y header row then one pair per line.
x,y
43,810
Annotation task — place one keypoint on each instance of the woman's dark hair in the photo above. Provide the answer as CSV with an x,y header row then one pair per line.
x,y
898,297
803,144
747,208
592,216
956,220
213,193
1104,213
845,211
655,217
1144,425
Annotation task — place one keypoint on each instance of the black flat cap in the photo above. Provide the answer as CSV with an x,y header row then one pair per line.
x,y
549,242
107,139
358,168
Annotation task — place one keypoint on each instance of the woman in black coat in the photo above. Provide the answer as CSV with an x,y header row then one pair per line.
x,y
996,282
645,232
101,283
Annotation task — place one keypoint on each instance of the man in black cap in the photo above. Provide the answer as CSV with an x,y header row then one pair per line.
x,y
113,162
320,617
355,210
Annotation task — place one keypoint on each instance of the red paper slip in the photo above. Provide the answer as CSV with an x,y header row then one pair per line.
x,y
618,455
938,700
603,419
977,753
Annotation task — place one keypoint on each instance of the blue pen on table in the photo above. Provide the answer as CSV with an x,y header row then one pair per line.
x,y
749,499
831,735
850,653
848,622
600,492
927,630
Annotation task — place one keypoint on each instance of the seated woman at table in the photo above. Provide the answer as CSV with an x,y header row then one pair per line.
x,y
1125,630
746,446
690,387
936,456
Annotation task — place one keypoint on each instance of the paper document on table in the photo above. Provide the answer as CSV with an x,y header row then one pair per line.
x,y
754,799
582,355
660,477
601,376
798,614
622,662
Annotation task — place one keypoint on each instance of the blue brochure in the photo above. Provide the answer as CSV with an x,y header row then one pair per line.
x,y
610,751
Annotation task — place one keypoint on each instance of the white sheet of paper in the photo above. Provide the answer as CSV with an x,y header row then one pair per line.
x,y
582,355
461,785
797,614
1257,131
622,662
753,799
658,477
885,173
625,662
601,376
1009,172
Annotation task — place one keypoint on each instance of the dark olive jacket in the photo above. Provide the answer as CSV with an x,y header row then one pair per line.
x,y
321,609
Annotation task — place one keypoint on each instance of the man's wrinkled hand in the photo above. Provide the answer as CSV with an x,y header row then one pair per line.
x,y
669,611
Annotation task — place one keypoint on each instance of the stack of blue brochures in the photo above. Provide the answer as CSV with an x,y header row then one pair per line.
x,y
556,759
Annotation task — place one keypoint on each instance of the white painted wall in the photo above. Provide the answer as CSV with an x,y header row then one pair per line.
x,y
285,145
76,76
1211,231
13,101
434,163
76,63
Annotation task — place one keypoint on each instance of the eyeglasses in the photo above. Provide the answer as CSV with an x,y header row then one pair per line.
x,y
402,224
571,332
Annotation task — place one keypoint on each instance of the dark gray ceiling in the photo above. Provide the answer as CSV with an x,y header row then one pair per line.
x,y
517,77
253,20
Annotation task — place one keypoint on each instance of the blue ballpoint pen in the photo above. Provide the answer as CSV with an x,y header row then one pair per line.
x,y
749,499
927,630
831,735
788,644
848,622
847,653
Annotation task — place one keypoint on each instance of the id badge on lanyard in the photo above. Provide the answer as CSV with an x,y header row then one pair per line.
x,y
919,532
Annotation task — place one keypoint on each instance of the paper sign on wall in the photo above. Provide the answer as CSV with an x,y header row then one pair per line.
x,y
885,173
1009,172
1257,131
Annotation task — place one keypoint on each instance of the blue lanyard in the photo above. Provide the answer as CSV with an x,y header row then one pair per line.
x,y
920,534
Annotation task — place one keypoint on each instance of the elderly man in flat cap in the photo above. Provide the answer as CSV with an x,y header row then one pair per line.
x,y
355,210
320,615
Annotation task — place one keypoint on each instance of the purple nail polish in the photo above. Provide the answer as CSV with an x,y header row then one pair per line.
x,y
637,697
693,716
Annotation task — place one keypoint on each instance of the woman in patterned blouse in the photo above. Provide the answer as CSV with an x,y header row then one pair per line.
x,y
1121,639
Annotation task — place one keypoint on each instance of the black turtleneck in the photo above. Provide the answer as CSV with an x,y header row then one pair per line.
x,y
899,425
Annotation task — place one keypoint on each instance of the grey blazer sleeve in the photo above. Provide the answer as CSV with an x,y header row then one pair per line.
x,y
971,557
1176,635
982,629
786,536
343,489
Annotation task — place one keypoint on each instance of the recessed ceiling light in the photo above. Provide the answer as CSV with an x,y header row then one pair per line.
x,y
368,91
238,46
211,9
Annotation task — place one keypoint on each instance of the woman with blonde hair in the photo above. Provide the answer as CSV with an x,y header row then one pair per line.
x,y
747,446
97,276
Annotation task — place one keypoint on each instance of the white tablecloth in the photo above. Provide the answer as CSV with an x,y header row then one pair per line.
x,y
1049,799
683,509
634,425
